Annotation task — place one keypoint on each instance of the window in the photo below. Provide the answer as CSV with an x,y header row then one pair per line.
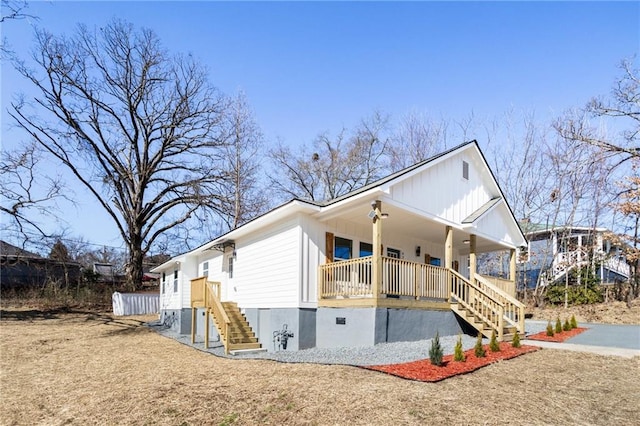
x,y
230,266
342,249
393,253
366,249
205,269
435,261
175,281
465,170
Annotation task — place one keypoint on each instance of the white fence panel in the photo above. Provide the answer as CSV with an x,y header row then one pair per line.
x,y
135,304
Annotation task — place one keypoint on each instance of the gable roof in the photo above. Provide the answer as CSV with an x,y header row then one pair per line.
x,y
300,205
7,249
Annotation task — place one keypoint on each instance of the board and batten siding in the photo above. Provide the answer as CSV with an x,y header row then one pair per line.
x,y
496,225
267,268
442,191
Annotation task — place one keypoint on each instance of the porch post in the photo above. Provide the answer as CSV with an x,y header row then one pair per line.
x,y
376,261
512,265
473,261
448,248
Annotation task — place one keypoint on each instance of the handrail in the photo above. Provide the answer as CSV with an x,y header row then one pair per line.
x,y
488,307
212,301
489,285
503,284
514,309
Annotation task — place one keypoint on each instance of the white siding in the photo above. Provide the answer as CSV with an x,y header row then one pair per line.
x,y
497,226
189,271
168,298
441,190
267,268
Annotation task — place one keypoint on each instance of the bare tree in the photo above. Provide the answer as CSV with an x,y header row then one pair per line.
x,y
137,127
416,139
620,110
335,166
242,197
26,193
13,9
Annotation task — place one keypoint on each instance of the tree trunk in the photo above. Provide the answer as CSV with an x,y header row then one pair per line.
x,y
134,270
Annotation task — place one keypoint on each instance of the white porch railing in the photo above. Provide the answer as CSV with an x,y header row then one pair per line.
x,y
565,261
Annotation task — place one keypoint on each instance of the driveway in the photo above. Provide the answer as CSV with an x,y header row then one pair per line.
x,y
602,339
610,335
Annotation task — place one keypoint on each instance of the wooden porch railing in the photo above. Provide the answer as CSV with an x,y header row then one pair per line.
x,y
206,294
487,307
503,284
352,278
513,308
405,278
346,278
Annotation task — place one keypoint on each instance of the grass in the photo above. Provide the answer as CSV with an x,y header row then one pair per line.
x,y
90,368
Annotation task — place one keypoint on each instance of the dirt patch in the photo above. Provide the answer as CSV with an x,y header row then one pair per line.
x,y
606,313
424,371
91,368
557,337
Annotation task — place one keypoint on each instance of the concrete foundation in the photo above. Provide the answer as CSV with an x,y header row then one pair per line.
x,y
178,320
348,327
327,327
270,325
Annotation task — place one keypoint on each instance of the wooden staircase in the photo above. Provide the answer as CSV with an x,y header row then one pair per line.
x,y
486,307
232,326
241,335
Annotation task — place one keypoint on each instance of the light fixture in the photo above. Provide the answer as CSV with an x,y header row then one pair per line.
x,y
384,215
466,241
418,251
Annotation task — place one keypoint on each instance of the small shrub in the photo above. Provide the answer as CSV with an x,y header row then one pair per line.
x,y
479,349
558,326
574,323
566,326
435,353
550,329
516,340
458,353
493,343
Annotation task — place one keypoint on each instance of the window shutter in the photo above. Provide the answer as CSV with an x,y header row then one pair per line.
x,y
329,247
427,258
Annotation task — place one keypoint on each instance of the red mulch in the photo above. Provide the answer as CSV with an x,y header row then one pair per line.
x,y
557,337
424,371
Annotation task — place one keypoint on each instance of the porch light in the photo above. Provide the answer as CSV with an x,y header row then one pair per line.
x,y
466,241
384,215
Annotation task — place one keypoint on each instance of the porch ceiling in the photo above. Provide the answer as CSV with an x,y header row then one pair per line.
x,y
412,225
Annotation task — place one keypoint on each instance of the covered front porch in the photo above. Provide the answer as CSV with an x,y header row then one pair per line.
x,y
381,281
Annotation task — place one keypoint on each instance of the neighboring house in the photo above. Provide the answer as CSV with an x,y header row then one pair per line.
x,y
20,269
556,251
392,261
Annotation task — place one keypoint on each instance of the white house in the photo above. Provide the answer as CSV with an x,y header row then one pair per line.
x,y
392,261
555,251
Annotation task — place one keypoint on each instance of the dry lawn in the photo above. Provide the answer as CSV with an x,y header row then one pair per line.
x,y
84,368
607,313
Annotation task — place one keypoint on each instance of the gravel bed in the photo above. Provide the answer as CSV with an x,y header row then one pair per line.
x,y
382,353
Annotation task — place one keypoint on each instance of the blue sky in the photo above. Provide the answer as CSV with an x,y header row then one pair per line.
x,y
308,67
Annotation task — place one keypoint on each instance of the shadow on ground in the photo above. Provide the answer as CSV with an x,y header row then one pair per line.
x,y
117,325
